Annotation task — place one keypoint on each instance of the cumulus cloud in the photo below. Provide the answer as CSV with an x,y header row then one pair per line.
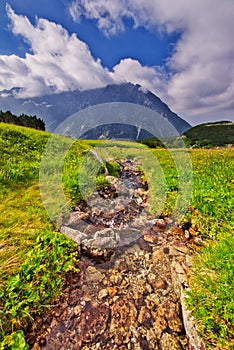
x,y
57,61
197,79
202,63
151,78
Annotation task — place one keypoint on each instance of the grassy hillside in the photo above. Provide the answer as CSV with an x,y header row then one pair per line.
x,y
34,257
211,134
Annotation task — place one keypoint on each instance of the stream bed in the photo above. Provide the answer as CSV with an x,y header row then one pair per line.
x,y
133,268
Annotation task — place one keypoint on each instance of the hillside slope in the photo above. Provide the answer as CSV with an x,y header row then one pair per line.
x,y
211,134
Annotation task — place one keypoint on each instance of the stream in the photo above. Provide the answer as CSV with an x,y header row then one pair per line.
x,y
133,269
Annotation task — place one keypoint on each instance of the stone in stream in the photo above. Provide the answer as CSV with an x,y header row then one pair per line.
x,y
93,321
123,316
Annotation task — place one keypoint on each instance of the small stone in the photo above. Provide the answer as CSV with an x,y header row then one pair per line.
x,y
160,223
192,232
123,267
93,275
144,245
157,256
144,316
186,234
123,316
102,294
115,277
112,291
76,216
178,268
166,250
152,300
77,310
119,207
159,326
198,241
150,237
168,341
93,321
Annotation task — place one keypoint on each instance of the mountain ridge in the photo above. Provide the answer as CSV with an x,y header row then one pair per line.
x,y
54,108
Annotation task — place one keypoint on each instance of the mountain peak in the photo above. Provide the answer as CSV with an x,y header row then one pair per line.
x,y
55,108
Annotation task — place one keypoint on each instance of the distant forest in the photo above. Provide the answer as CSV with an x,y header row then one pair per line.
x,y
23,120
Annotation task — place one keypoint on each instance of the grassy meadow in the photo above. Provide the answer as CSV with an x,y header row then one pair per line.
x,y
35,257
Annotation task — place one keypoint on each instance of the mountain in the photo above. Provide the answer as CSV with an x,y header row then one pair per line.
x,y
57,107
211,134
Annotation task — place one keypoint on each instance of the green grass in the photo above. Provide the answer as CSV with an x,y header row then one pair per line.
x,y
212,293
34,257
31,246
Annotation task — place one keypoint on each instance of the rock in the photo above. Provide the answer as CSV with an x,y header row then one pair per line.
x,y
112,291
92,275
178,268
157,256
76,216
195,342
102,294
169,342
93,321
115,277
119,207
144,245
159,326
173,319
159,223
199,242
74,234
144,316
159,283
123,316
152,300
150,237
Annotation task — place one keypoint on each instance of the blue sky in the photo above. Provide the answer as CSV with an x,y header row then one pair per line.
x,y
182,52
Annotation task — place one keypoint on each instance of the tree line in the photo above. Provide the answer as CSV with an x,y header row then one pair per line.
x,y
22,120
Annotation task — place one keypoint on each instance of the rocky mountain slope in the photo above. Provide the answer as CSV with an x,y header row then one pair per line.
x,y
55,108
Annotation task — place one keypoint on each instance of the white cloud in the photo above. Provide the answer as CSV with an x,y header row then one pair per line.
x,y
151,78
202,63
57,60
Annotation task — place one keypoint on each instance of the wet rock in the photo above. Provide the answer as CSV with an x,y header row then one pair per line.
x,y
102,294
174,318
76,216
150,236
74,234
112,291
123,316
93,321
93,275
159,326
144,316
169,342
